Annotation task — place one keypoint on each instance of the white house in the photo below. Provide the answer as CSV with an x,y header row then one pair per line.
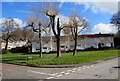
x,y
84,41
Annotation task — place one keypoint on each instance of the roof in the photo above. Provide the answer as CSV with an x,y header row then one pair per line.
x,y
96,35
82,36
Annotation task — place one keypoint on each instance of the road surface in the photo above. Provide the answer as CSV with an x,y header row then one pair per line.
x,y
103,70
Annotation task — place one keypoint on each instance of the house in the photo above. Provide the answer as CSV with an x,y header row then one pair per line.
x,y
84,41
13,44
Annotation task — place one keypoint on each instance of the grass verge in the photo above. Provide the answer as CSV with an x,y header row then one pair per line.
x,y
50,59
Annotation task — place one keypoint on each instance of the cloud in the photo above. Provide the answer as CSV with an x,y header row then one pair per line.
x,y
63,19
103,28
109,7
66,20
20,22
17,20
1,21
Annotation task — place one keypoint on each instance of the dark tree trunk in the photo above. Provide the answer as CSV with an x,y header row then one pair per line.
x,y
58,39
58,47
40,40
6,45
57,35
75,46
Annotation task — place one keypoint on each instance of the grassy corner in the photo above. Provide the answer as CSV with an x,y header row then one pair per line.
x,y
50,59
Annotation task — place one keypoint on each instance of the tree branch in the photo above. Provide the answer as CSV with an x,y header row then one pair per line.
x,y
53,26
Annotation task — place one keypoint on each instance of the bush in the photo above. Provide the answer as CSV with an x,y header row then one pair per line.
x,y
21,50
4,51
91,49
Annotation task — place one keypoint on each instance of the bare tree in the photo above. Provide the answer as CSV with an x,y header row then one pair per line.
x,y
38,26
51,10
27,35
8,26
17,35
116,20
23,34
67,32
75,27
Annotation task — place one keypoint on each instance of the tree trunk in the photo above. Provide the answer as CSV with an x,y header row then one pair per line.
x,y
40,40
58,47
58,39
6,45
57,35
75,46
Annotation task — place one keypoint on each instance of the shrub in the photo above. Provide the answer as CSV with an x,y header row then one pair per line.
x,y
23,49
91,49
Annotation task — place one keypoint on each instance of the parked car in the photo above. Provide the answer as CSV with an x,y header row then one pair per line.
x,y
63,48
78,48
46,49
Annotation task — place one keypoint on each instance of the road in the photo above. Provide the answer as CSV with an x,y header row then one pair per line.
x,y
103,70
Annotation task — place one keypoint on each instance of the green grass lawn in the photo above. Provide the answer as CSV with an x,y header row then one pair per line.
x,y
50,59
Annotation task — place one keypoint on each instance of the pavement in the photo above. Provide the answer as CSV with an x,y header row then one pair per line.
x,y
104,69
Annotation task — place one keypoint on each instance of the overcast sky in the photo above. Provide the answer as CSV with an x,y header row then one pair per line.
x,y
98,13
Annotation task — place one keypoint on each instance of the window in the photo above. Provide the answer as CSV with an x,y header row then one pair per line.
x,y
37,42
71,40
71,46
108,44
46,42
44,47
95,45
54,41
62,46
37,49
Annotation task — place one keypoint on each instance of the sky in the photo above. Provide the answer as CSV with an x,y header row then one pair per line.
x,y
98,13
